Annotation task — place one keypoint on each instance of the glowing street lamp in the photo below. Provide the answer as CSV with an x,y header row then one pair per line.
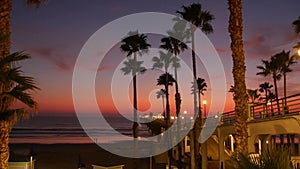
x,y
204,107
297,47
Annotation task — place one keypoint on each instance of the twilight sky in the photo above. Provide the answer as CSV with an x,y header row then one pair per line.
x,y
55,33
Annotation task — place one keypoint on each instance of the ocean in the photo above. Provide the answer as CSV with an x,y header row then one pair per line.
x,y
54,129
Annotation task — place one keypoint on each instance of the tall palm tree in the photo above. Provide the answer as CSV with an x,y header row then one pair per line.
x,y
265,88
296,25
202,19
5,46
19,89
286,62
133,44
235,29
161,94
167,80
271,68
175,46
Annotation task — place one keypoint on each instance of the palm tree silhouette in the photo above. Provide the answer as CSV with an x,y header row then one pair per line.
x,y
133,44
18,89
271,68
253,95
296,25
176,46
167,80
286,62
198,18
161,94
200,88
164,61
265,88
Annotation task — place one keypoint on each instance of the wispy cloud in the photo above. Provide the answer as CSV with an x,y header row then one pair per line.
x,y
117,9
61,60
267,41
103,68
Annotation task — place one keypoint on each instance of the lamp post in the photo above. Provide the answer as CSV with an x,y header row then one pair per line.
x,y
204,107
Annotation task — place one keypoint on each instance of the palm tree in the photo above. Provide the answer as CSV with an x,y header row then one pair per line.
x,y
198,18
133,44
19,89
167,80
175,46
200,88
235,29
253,95
265,88
296,25
5,46
161,94
286,62
271,68
202,19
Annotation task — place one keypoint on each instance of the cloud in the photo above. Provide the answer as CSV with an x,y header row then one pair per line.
x,y
117,9
265,42
103,68
60,59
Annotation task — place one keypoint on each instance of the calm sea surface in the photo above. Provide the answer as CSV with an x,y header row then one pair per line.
x,y
50,129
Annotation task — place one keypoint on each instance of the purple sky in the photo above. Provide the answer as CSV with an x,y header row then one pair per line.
x,y
55,33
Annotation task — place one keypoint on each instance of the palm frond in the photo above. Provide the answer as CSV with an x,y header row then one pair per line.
x,y
14,57
162,79
13,115
35,3
296,25
19,93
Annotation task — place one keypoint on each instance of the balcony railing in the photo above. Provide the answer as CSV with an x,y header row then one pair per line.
x,y
268,110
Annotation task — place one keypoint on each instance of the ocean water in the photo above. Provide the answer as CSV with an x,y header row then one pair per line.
x,y
51,129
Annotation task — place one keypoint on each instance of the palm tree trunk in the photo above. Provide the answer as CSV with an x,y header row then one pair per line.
x,y
276,94
135,124
4,149
168,117
194,140
198,125
5,10
285,108
163,103
239,69
177,103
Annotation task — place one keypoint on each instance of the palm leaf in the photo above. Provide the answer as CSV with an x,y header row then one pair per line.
x,y
13,115
14,57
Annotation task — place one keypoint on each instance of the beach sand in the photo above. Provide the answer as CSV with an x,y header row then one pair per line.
x,y
65,156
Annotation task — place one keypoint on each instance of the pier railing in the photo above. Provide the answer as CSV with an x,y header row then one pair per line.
x,y
268,110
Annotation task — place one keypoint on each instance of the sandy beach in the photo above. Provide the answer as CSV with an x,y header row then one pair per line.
x,y
65,156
